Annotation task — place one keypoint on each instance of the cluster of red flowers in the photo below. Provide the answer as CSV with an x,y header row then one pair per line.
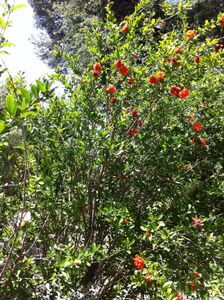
x,y
139,262
133,131
176,91
222,21
157,77
172,60
124,70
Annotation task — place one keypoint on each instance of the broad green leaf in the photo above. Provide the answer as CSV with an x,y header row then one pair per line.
x,y
25,94
18,6
11,105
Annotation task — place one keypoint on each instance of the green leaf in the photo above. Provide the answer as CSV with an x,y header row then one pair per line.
x,y
2,23
2,125
7,44
25,94
18,6
11,105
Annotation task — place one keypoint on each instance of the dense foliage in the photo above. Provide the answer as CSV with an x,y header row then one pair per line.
x,y
113,188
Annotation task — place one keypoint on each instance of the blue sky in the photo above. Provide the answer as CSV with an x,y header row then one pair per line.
x,y
22,56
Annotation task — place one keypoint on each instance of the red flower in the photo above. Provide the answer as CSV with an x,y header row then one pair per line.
x,y
218,47
179,297
139,262
132,80
178,50
153,80
160,75
126,221
193,286
124,70
202,143
97,69
134,113
193,140
136,56
140,123
196,222
111,89
191,119
125,28
112,101
196,275
190,34
196,59
174,60
135,130
175,90
222,21
197,126
117,63
149,279
184,93
148,233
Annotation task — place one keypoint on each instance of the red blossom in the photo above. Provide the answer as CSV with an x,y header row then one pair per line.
x,y
134,113
197,59
140,123
97,69
135,55
190,34
149,279
193,140
148,233
218,47
191,119
126,221
179,50
139,262
196,222
111,89
203,143
197,127
196,274
184,93
133,131
153,80
132,80
112,101
118,63
174,60
222,21
175,90
124,70
193,285
179,297
125,28
160,75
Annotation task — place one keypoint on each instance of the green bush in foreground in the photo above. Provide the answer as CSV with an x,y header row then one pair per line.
x,y
117,185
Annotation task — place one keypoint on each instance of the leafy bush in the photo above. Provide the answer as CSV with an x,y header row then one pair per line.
x,y
118,182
